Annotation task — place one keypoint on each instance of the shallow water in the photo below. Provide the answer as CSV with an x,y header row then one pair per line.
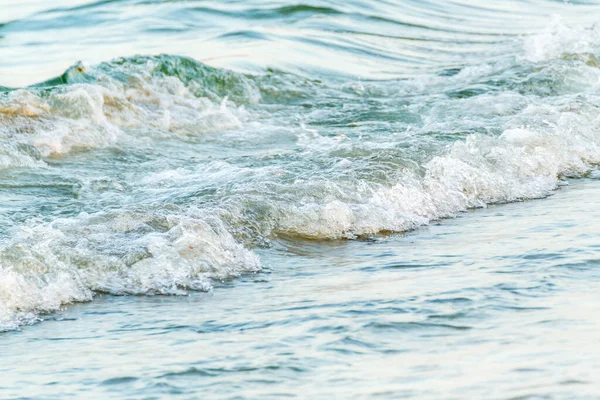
x,y
339,195
508,313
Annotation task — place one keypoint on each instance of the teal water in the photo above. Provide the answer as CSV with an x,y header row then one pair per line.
x,y
276,199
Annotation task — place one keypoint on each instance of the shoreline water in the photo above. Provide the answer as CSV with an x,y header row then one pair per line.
x,y
442,312
210,204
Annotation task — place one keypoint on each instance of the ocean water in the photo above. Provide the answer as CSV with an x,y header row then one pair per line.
x,y
318,199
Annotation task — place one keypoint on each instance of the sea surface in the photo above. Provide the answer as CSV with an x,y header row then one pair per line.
x,y
299,199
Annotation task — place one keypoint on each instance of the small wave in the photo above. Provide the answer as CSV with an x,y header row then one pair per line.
x,y
45,266
560,40
316,158
88,108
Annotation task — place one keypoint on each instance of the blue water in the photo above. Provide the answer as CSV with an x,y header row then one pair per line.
x,y
269,199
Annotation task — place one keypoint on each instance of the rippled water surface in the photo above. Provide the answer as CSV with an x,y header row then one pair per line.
x,y
250,199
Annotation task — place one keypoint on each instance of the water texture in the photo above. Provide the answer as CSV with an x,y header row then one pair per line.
x,y
340,195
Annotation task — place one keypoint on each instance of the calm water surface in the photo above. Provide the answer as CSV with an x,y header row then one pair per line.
x,y
270,199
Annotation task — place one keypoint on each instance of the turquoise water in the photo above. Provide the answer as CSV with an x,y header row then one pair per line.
x,y
257,199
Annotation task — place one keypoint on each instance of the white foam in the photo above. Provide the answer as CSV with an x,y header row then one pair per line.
x,y
519,165
559,39
45,266
329,191
96,115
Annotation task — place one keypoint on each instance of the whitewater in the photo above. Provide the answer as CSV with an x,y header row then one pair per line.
x,y
395,183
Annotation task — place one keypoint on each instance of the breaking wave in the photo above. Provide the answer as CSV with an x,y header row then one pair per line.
x,y
231,162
